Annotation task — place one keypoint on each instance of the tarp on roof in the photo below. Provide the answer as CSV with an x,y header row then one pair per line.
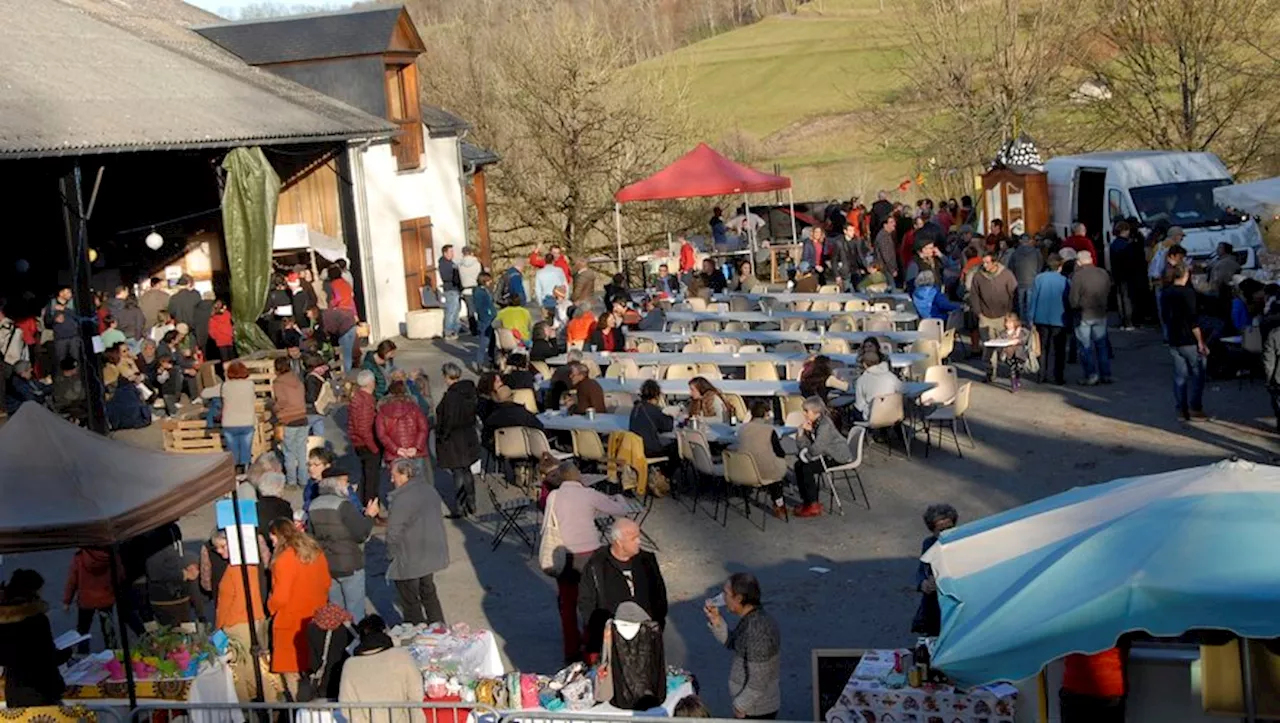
x,y
1260,198
300,237
701,172
65,486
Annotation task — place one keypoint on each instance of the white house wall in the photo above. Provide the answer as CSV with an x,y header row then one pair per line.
x,y
434,190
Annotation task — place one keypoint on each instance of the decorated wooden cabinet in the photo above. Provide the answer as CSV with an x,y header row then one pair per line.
x,y
1019,196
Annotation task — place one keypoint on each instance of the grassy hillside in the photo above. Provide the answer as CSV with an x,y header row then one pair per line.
x,y
802,91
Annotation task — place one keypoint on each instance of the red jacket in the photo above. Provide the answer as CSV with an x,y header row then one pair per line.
x,y
220,329
360,418
90,579
1081,243
537,261
401,424
341,296
687,257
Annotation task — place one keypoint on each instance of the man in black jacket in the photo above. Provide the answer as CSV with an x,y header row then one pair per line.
x,y
342,529
182,305
616,574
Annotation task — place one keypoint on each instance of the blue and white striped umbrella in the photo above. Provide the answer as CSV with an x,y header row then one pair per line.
x,y
1165,553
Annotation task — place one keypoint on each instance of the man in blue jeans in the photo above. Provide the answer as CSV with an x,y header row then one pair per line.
x,y
1181,321
341,528
451,284
1090,290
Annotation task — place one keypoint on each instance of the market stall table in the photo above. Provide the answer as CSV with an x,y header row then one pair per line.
x,y
775,337
897,360
791,296
876,694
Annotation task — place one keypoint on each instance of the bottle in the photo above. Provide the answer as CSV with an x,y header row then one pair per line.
x,y
921,657
733,420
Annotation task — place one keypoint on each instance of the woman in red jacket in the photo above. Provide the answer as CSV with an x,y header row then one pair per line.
x,y
361,414
401,425
89,586
221,331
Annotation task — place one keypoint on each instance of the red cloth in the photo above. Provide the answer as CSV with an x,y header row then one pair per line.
x,y
569,633
907,249
687,258
701,172
103,313
30,330
341,296
944,220
1080,243
89,580
298,590
220,329
537,261
401,424
1100,675
360,420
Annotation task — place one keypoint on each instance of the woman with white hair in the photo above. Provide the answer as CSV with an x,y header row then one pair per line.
x,y
361,415
817,440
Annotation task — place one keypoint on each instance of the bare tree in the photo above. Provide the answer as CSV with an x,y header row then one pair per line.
x,y
1189,75
550,91
982,71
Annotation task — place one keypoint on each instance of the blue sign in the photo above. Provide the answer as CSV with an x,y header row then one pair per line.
x,y
227,516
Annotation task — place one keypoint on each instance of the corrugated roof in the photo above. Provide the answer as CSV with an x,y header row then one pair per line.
x,y
477,156
440,122
95,76
359,31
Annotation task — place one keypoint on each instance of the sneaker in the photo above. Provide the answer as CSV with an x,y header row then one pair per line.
x,y
1090,382
1197,415
778,511
1014,385
1106,380
813,510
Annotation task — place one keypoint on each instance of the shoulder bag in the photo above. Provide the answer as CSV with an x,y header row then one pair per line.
x,y
552,555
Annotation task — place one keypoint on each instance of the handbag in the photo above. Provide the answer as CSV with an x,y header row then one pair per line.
x,y
552,555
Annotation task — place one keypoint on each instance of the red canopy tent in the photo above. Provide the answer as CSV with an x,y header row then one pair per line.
x,y
700,172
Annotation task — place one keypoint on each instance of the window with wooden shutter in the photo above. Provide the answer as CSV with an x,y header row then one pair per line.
x,y
404,110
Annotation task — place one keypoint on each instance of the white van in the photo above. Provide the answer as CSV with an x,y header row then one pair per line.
x,y
1176,187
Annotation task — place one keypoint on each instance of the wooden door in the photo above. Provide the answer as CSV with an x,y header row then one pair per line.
x,y
415,245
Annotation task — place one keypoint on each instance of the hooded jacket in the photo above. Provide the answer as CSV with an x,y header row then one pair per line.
x,y
457,442
469,269
28,655
341,529
89,580
400,424
992,294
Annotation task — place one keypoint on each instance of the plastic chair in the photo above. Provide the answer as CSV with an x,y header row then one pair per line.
x,y
681,371
538,445
737,407
801,305
791,347
857,438
711,326
794,419
740,470
948,385
511,513
877,323
724,346
739,303
930,329
794,369
510,444
587,447
709,370
751,349
889,411
947,345
828,289
949,416
855,305
649,372
932,358
619,402
622,368
695,303
703,463
525,397
593,369
842,323
762,371
792,324
735,326
542,368
835,346
506,340
792,403
645,346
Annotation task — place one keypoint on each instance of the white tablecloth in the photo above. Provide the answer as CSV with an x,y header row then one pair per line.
x,y
897,360
775,337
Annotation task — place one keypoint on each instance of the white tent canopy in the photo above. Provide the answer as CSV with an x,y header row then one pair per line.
x,y
1259,198
65,486
300,237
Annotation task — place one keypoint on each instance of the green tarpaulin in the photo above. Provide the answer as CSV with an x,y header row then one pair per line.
x,y
249,198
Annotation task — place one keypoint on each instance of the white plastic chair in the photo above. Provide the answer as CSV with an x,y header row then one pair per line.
x,y
740,470
948,384
930,329
762,371
950,415
622,368
889,411
856,440
681,371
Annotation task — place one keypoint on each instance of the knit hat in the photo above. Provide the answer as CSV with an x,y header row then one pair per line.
x,y
331,617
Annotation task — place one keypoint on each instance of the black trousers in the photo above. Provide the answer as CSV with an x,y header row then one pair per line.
x,y
1275,403
1076,708
84,623
1053,346
418,600
808,475
464,491
370,474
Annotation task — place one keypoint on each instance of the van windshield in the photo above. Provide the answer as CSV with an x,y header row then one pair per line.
x,y
1187,204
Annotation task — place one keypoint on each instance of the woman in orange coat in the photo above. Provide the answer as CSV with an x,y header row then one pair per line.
x,y
299,587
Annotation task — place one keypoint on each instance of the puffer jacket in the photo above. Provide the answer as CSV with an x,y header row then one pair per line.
x,y
399,424
361,414
89,580
341,529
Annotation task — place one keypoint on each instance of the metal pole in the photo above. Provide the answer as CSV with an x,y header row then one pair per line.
x,y
248,592
617,228
791,202
73,216
122,604
1246,676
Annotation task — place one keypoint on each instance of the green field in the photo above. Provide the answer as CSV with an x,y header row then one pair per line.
x,y
803,91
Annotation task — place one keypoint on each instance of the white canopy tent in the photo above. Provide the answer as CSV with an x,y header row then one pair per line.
x,y
1259,198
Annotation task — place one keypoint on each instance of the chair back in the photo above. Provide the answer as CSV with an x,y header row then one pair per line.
x,y
791,347
792,403
709,370
735,326
828,289
506,339
886,411
793,324
835,346
947,345
930,329
962,399
794,419
882,307
542,368
739,303
649,372
510,443
857,440
680,327
696,303
737,406
620,402
826,306
579,344
740,469
751,349
855,305
1251,340
681,371
948,385
622,368
801,305
593,369
525,398
724,346
701,454
707,326
842,323
929,348
703,341
537,442
762,371
645,346
794,369
587,446
877,323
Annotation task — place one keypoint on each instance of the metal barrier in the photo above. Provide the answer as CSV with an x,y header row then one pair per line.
x,y
74,711
314,712
588,716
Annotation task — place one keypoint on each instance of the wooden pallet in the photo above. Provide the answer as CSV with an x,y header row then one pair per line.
x,y
189,436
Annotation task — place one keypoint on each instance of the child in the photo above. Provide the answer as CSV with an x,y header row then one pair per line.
x,y
1015,355
875,280
163,326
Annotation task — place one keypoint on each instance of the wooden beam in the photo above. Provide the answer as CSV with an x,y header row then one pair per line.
x,y
482,218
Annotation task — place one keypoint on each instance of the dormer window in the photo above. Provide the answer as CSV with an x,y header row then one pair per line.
x,y
403,109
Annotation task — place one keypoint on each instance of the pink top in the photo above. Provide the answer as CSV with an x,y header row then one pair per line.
x,y
575,509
